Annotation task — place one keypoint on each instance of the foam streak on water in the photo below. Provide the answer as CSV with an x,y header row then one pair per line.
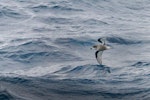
x,y
45,49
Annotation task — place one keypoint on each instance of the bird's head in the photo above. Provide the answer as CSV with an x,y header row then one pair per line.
x,y
94,47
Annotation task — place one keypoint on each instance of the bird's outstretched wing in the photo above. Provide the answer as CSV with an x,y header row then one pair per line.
x,y
98,55
101,40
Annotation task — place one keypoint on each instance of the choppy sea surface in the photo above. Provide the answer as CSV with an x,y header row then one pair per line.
x,y
45,50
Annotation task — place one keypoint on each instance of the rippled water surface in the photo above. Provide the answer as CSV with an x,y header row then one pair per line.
x,y
45,48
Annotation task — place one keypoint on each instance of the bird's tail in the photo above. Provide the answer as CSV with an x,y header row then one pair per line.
x,y
109,47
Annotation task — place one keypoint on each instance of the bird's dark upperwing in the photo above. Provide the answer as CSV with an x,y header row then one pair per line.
x,y
101,40
98,55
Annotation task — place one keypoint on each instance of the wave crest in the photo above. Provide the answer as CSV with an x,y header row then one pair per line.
x,y
120,40
85,71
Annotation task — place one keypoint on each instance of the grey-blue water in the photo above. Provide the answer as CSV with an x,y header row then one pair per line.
x,y
45,50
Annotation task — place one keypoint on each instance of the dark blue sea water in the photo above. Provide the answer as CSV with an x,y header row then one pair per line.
x,y
45,50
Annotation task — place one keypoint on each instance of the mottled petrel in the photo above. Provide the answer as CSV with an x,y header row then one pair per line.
x,y
99,49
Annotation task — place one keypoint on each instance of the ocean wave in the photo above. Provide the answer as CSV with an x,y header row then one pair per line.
x,y
82,88
56,7
141,64
15,80
121,40
94,22
85,71
5,95
65,8
40,57
13,13
73,42
37,50
55,20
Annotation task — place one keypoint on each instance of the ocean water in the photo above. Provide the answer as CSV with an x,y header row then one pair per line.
x,y
45,50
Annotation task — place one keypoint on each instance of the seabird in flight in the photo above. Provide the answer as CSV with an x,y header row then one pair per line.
x,y
99,49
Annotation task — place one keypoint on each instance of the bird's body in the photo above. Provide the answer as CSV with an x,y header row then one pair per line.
x,y
100,47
